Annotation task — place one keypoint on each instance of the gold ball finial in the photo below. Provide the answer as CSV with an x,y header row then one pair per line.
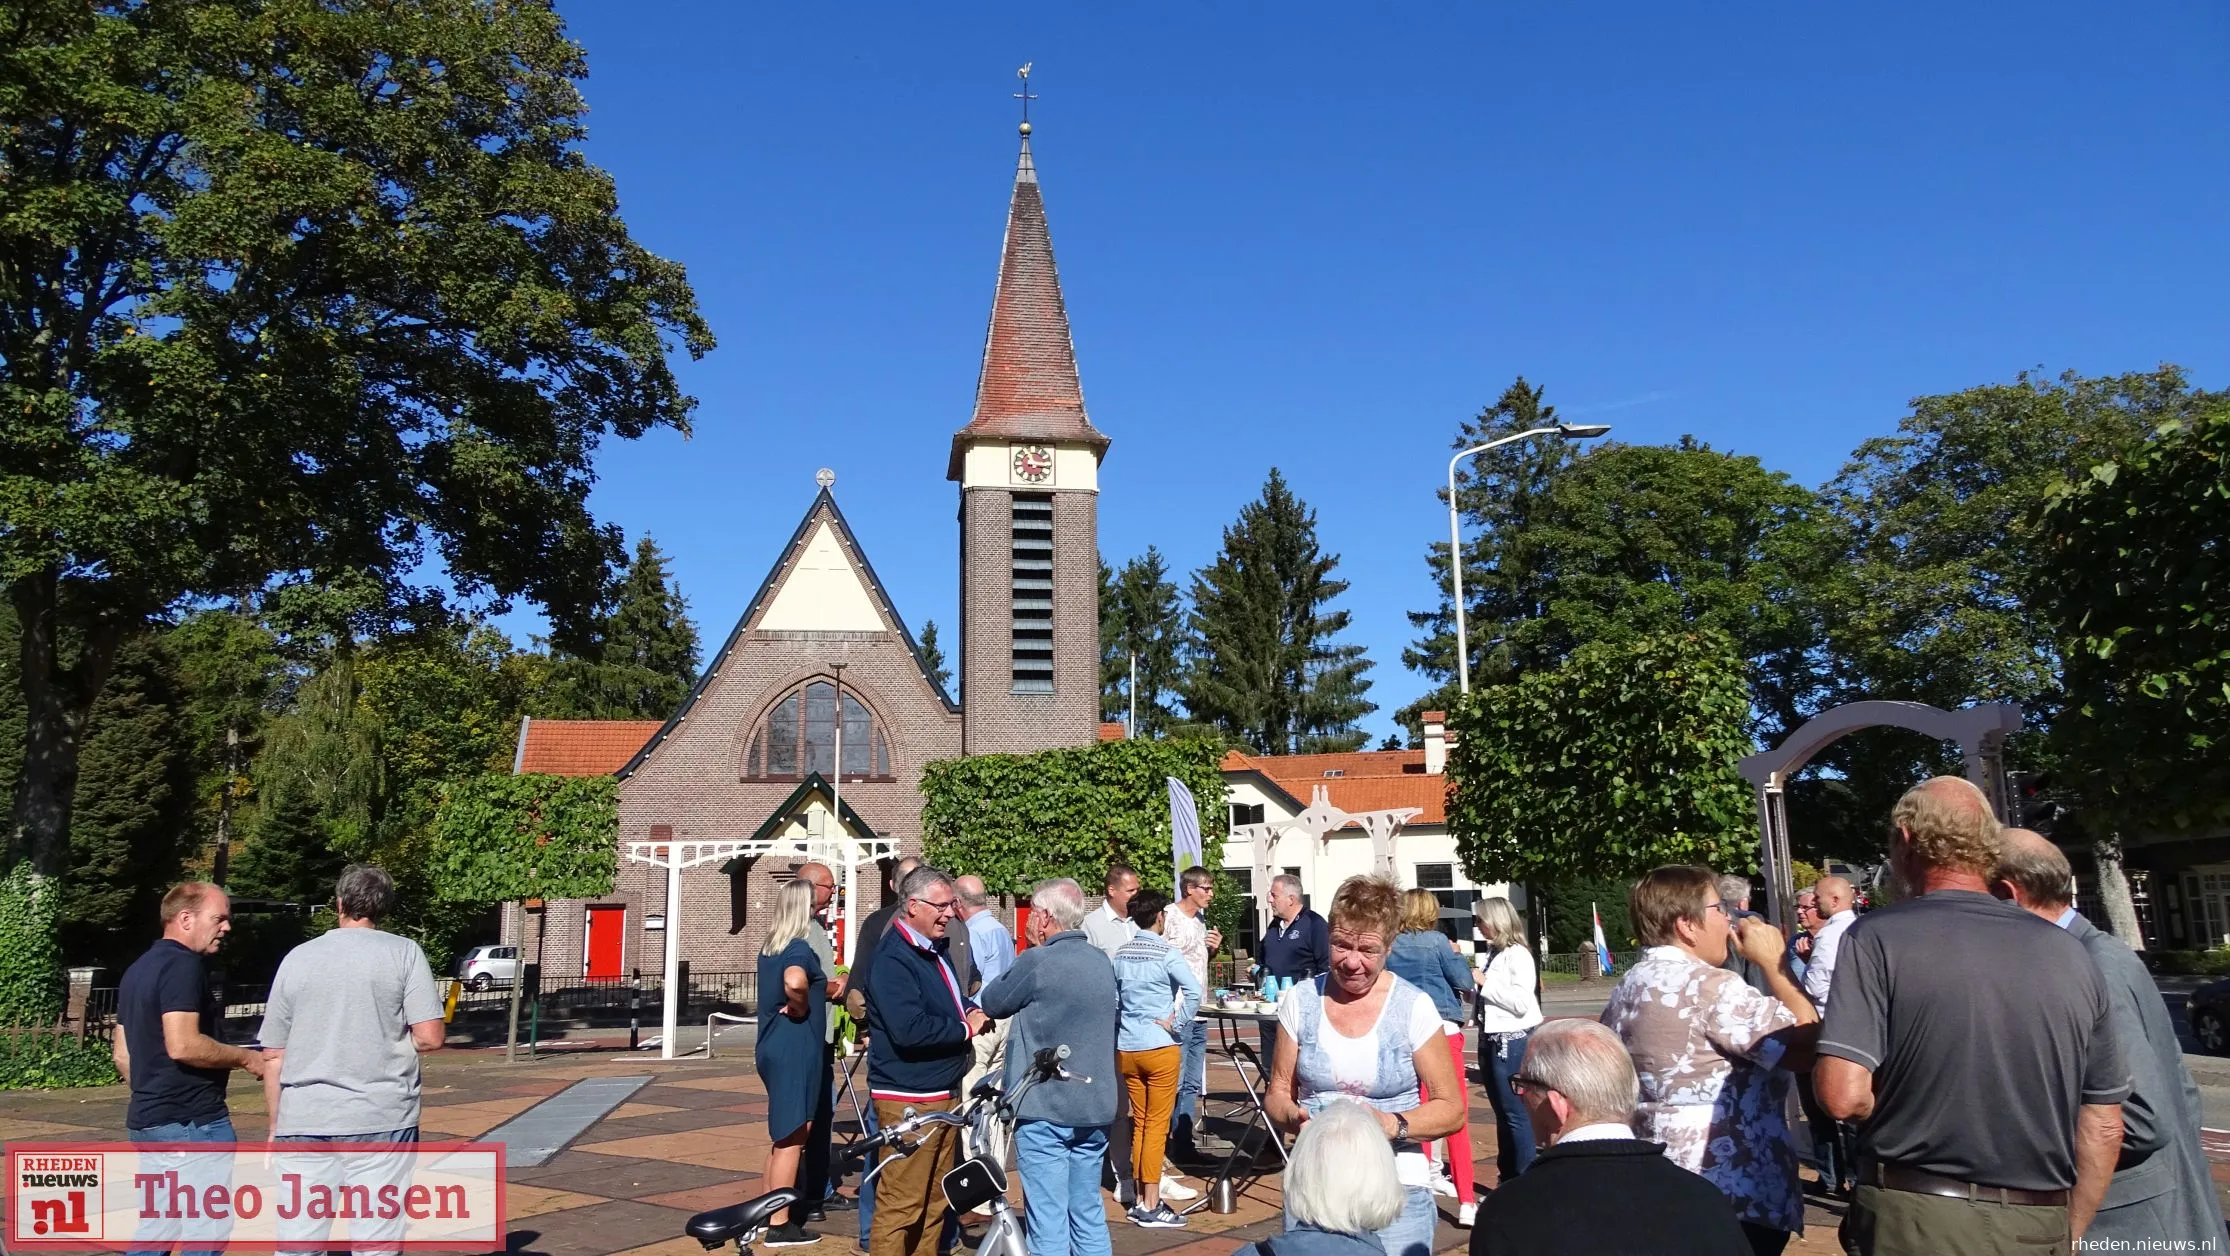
x,y
1025,130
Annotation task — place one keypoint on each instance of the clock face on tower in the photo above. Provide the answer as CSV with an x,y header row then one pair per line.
x,y
1033,464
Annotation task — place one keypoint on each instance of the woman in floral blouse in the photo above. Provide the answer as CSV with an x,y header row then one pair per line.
x,y
1713,1054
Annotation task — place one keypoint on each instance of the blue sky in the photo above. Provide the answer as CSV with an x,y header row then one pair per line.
x,y
1320,236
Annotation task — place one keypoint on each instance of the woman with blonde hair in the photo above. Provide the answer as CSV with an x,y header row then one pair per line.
x,y
1426,958
793,1059
1360,1032
1509,1009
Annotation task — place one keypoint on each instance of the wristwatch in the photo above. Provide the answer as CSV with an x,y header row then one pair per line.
x,y
1401,1127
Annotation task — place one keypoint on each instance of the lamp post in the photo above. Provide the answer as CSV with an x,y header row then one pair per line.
x,y
1566,431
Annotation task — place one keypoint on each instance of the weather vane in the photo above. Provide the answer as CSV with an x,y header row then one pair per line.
x,y
1024,95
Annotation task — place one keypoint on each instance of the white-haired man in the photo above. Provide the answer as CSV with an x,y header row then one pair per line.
x,y
1595,1187
1059,993
2162,1193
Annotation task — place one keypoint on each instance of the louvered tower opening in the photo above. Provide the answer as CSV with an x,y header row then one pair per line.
x,y
1033,593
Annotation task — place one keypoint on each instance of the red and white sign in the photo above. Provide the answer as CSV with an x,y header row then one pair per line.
x,y
252,1197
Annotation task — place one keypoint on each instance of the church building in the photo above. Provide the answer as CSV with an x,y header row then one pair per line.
x,y
821,659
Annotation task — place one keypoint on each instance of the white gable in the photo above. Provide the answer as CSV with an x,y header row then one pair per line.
x,y
823,592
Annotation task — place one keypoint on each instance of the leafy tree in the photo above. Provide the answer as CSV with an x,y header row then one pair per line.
x,y
1265,667
1629,541
2134,585
322,788
233,673
500,838
933,655
1142,619
1017,819
133,829
1495,498
1619,760
296,290
1928,559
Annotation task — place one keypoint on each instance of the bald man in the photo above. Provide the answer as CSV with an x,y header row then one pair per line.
x,y
1976,1044
2161,1191
1838,907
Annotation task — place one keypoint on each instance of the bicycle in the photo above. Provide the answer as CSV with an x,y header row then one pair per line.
x,y
978,1179
740,1223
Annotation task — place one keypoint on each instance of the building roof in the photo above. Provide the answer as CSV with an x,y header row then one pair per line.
x,y
1028,388
1113,731
823,510
579,747
1365,780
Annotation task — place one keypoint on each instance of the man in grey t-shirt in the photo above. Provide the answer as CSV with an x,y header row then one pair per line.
x,y
1975,1042
349,1014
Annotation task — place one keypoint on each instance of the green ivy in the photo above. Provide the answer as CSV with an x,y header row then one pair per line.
x,y
1619,760
30,949
54,1062
1017,819
499,838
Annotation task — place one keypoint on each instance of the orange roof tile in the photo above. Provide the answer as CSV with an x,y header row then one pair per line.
x,y
582,747
1113,730
1368,780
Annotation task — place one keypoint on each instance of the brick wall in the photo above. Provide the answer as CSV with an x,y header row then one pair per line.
x,y
1000,721
692,782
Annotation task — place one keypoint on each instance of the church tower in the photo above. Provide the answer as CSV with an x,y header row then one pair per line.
x,y
1028,466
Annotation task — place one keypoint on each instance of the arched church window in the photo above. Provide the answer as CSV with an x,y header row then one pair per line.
x,y
799,737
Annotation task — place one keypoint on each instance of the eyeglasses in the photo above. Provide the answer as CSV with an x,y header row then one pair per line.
x,y
1530,1085
1719,905
944,907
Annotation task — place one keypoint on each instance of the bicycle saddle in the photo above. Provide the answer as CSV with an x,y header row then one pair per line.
x,y
723,1225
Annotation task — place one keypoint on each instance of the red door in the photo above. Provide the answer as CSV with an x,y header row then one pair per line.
x,y
606,940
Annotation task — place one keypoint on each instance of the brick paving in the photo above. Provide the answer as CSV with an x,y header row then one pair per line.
x,y
694,1138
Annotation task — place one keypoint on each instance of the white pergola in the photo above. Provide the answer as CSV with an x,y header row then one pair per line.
x,y
1320,820
842,852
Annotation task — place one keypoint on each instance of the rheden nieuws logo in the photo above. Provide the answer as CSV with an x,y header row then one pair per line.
x,y
255,1196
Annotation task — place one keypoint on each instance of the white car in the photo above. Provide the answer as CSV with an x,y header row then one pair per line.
x,y
485,967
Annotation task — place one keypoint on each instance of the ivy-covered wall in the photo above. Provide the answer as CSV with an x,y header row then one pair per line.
x,y
1017,819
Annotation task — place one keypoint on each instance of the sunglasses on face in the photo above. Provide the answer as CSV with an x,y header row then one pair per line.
x,y
1530,1085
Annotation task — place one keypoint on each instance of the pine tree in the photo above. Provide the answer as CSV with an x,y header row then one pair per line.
x,y
1141,618
1264,666
649,625
933,656
643,657
130,829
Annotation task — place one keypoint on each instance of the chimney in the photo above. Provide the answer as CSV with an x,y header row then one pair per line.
x,y
1436,741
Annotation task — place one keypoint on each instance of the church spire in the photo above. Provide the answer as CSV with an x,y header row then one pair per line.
x,y
1028,387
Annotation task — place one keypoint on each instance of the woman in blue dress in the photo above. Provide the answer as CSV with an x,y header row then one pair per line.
x,y
793,1058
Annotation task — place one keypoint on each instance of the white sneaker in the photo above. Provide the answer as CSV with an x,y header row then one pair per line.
x,y
1467,1214
1171,1188
1442,1186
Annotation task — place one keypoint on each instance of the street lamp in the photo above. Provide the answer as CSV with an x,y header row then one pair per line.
x,y
1566,431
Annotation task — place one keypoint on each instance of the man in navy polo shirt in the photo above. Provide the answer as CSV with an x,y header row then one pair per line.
x,y
1296,947
165,1045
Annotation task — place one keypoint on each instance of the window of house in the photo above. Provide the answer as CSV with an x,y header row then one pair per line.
x,y
799,737
1246,813
1441,880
